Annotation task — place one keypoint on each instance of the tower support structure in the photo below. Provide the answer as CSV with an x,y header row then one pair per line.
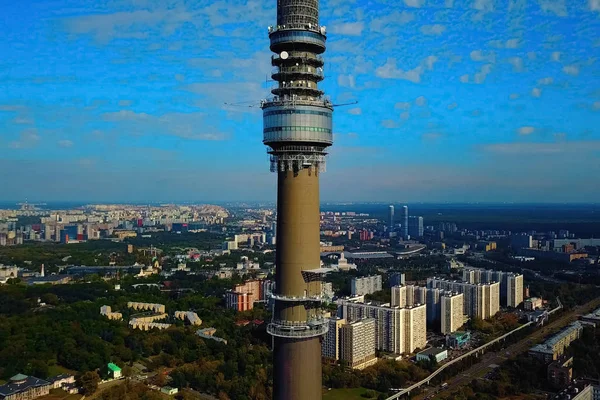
x,y
297,129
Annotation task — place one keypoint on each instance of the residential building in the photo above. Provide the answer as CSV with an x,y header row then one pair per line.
x,y
593,317
480,300
398,330
366,285
438,354
451,312
555,346
391,217
358,343
514,290
157,308
405,222
560,373
190,316
243,296
59,381
23,387
591,392
114,371
107,312
398,296
397,279
532,303
330,347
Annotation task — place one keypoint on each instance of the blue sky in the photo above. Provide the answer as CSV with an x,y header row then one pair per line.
x,y
475,100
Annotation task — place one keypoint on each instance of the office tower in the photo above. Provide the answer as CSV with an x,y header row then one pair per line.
x,y
405,221
297,128
451,312
397,278
365,285
358,343
415,227
330,348
398,296
391,217
514,288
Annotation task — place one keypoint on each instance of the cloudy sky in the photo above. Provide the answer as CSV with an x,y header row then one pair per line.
x,y
458,100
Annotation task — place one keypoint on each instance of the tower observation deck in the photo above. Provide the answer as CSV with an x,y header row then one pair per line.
x,y
297,129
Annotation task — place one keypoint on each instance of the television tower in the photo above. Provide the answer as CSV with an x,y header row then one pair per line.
x,y
297,131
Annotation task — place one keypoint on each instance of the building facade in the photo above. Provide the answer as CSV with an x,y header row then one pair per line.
x,y
480,300
23,387
514,290
366,285
330,347
451,312
358,343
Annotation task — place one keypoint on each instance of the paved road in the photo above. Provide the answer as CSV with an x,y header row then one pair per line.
x,y
489,359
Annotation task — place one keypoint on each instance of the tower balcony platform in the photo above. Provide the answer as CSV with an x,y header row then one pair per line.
x,y
298,299
298,73
297,39
298,329
298,57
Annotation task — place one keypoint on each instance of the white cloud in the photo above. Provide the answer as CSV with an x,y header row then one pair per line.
x,y
546,81
514,96
414,3
436,29
389,123
517,63
513,43
478,55
355,111
530,148
452,106
388,24
432,136
555,56
480,76
125,103
346,81
126,24
526,130
405,115
27,138
596,105
464,78
179,77
390,71
421,101
65,143
483,5
536,92
402,105
594,5
348,28
571,70
531,55
556,7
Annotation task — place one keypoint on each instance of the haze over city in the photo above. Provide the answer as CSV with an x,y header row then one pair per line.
x,y
457,100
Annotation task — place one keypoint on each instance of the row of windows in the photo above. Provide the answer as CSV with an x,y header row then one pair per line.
x,y
296,129
300,36
289,112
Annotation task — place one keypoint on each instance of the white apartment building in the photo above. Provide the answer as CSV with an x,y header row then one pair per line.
x,y
514,290
451,312
366,285
358,343
330,348
398,330
480,300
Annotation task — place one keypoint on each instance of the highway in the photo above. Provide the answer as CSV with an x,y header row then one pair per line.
x,y
488,360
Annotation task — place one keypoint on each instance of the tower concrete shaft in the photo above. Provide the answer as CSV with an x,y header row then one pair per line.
x,y
297,130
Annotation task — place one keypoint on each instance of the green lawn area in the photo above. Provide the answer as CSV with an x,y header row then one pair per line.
x,y
346,394
54,370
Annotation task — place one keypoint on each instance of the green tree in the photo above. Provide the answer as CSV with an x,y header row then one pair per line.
x,y
89,382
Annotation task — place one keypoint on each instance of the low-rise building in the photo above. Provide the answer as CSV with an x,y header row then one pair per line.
x,y
59,381
458,340
532,303
169,390
114,371
190,316
555,346
438,354
23,387
560,373
593,317
108,313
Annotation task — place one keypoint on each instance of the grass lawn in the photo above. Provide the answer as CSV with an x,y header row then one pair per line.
x,y
346,394
54,370
59,394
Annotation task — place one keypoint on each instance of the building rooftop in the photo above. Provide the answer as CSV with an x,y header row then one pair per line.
x,y
113,367
432,351
59,377
21,383
547,346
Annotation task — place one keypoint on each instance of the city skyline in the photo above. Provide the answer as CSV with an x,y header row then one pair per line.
x,y
457,101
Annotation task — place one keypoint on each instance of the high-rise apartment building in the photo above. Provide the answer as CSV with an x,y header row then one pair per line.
x,y
366,285
415,227
243,296
391,217
297,129
405,221
514,290
398,330
398,296
432,300
330,348
480,300
358,343
397,278
451,312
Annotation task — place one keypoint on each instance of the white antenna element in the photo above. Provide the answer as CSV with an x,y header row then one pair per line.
x,y
284,55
